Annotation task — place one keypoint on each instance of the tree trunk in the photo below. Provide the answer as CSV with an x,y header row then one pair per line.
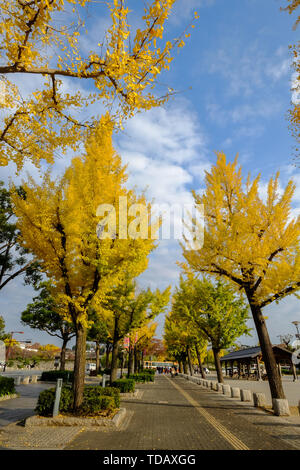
x,y
142,360
185,367
98,366
180,365
130,361
136,361
274,379
122,363
79,366
107,355
200,362
218,365
63,354
115,352
114,362
188,350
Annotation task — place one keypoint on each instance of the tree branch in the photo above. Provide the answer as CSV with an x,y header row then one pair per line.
x,y
281,294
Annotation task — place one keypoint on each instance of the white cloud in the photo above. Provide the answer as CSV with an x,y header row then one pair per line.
x,y
171,134
160,148
248,112
246,69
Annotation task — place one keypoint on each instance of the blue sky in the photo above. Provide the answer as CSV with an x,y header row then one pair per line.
x,y
233,79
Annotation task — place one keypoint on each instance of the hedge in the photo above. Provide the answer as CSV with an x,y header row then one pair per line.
x,y
53,375
96,390
124,385
142,377
148,371
7,386
95,400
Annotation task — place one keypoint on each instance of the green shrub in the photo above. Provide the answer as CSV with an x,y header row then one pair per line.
x,y
149,371
66,399
53,375
142,377
95,399
7,386
92,390
94,403
124,385
46,400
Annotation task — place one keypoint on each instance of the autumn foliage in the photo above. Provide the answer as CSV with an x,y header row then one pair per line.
x,y
120,69
58,223
251,241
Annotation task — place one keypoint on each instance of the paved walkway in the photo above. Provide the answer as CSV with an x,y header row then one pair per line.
x,y
171,414
175,414
17,409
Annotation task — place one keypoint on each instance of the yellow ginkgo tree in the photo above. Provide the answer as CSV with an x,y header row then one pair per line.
x,y
251,241
44,39
142,339
58,221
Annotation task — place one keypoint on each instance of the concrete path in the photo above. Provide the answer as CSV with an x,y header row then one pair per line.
x,y
17,409
175,414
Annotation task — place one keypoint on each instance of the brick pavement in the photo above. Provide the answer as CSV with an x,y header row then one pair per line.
x,y
167,418
171,414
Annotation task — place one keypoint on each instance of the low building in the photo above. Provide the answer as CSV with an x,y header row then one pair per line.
x,y
248,363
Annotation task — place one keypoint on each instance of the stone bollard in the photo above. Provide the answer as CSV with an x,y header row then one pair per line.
x,y
17,380
259,400
212,384
246,395
208,382
281,407
215,386
220,387
26,380
226,390
34,379
235,392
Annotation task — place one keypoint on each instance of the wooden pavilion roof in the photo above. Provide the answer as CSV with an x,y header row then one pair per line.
x,y
279,350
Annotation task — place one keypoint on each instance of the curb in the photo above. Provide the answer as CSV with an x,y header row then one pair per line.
x,y
9,397
134,394
61,420
244,398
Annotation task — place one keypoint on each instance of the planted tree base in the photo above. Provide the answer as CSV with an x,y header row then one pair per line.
x,y
9,396
112,420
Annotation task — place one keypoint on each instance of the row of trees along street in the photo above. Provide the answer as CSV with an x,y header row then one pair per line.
x,y
250,243
49,227
57,218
